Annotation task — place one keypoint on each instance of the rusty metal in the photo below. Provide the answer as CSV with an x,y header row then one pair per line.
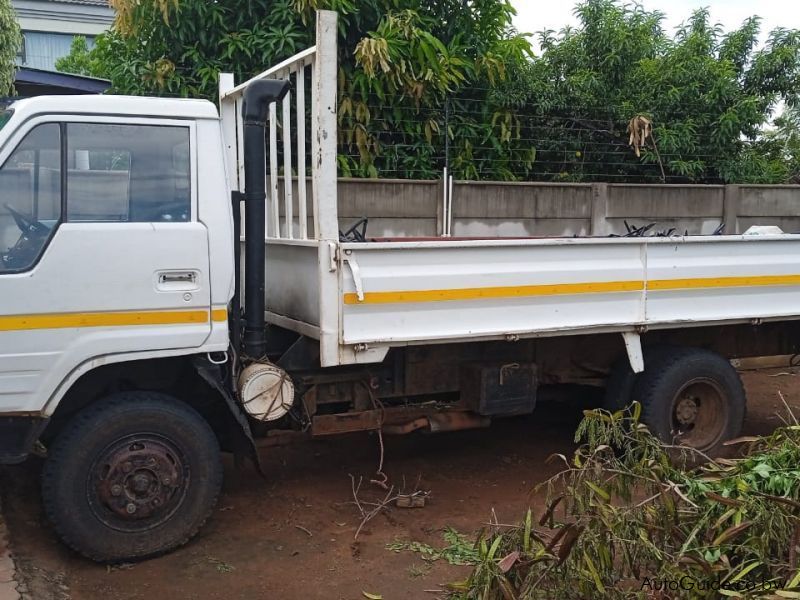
x,y
699,413
368,420
398,420
457,421
686,411
406,428
139,478
278,437
309,400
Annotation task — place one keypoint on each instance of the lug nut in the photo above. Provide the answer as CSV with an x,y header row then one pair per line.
x,y
131,508
116,490
167,481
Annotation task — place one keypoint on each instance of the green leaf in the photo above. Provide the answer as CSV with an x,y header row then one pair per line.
x,y
599,491
746,570
595,575
795,581
526,539
495,546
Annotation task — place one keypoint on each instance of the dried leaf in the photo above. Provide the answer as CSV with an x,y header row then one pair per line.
x,y
507,589
547,517
509,561
566,546
722,500
730,533
742,440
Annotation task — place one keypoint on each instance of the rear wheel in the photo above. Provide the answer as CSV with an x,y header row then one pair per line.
x,y
132,476
692,397
622,380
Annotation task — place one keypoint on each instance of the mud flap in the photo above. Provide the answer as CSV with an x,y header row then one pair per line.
x,y
18,434
244,446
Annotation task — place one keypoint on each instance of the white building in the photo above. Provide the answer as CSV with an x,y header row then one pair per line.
x,y
50,25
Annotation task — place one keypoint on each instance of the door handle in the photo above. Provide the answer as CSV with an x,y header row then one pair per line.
x,y
177,281
177,277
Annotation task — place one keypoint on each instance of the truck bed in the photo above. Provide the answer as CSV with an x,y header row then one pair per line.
x,y
422,292
361,299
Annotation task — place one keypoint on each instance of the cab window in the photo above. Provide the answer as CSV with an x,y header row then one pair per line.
x,y
128,173
30,198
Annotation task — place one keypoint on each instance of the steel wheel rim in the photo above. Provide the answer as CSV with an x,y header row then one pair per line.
x,y
699,414
137,482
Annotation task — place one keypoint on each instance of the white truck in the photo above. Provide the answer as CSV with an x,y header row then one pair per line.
x,y
127,362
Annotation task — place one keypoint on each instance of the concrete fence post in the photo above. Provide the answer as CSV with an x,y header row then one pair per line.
x,y
599,226
730,209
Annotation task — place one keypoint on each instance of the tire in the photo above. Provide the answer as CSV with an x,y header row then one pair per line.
x,y
619,386
692,397
622,380
130,477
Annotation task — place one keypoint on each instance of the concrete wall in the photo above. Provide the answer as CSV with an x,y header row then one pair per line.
x,y
404,208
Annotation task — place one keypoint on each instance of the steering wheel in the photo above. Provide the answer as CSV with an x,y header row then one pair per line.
x,y
27,223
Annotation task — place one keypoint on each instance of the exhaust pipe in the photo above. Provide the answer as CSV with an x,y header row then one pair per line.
x,y
257,98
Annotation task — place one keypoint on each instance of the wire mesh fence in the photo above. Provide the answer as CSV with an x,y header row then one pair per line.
x,y
478,140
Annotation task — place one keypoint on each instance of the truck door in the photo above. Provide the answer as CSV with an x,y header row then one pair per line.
x,y
101,251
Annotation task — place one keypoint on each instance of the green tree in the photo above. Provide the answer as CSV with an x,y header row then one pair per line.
x,y
10,41
709,96
80,60
425,83
399,61
783,142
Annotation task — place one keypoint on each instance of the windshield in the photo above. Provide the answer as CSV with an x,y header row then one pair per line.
x,y
5,116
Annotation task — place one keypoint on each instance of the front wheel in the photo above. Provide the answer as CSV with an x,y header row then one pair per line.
x,y
692,397
132,476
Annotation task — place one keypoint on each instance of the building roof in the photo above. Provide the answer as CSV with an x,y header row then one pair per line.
x,y
90,2
34,82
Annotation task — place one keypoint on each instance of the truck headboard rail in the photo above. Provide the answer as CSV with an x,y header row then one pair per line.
x,y
287,139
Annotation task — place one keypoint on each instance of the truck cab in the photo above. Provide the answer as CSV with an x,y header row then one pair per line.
x,y
114,241
116,269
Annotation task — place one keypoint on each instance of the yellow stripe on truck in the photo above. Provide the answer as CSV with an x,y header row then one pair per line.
x,y
219,315
562,289
109,319
522,291
723,282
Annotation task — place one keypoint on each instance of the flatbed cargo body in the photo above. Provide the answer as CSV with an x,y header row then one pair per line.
x,y
400,293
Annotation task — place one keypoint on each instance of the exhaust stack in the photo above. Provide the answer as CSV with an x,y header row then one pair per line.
x,y
257,98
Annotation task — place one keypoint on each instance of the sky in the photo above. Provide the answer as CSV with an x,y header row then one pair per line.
x,y
536,15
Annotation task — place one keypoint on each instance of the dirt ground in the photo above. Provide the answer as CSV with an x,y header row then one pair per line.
x,y
291,535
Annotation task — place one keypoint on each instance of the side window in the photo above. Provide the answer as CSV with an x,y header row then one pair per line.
x,y
128,173
30,198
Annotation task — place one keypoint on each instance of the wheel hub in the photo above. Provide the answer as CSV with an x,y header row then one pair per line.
x,y
686,410
138,477
699,413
